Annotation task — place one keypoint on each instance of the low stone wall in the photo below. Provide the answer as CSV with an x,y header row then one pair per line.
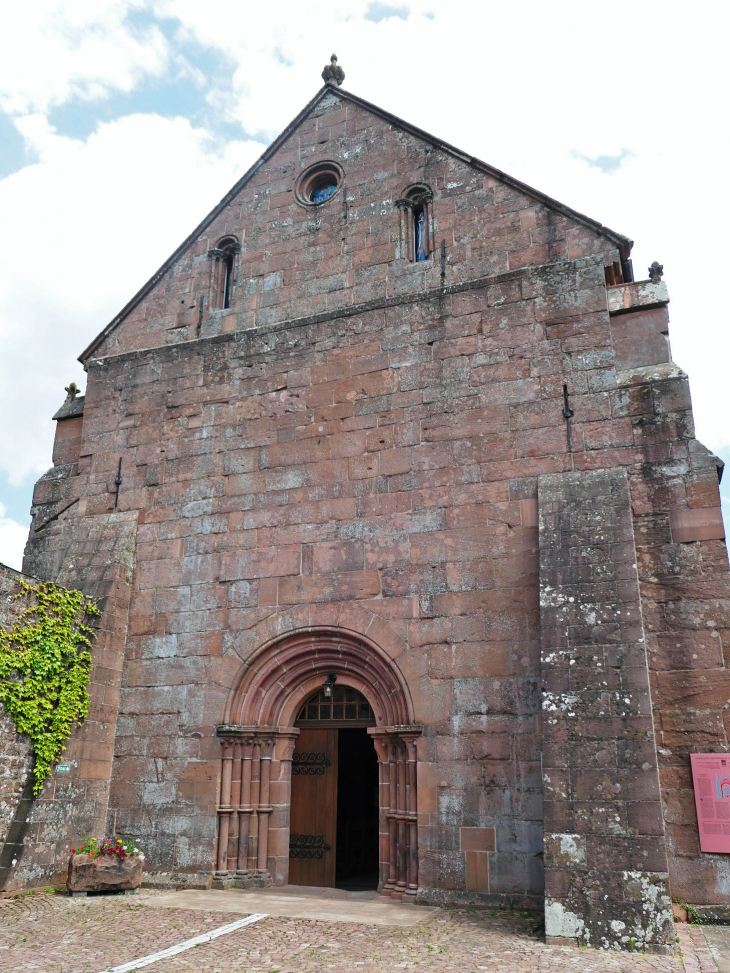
x,y
98,559
16,763
16,754
16,751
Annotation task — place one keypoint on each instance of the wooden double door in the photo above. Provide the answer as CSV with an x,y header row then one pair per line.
x,y
333,837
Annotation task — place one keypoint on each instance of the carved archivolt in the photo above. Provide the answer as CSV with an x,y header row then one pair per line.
x,y
277,680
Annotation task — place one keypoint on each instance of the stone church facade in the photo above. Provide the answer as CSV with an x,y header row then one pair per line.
x,y
395,432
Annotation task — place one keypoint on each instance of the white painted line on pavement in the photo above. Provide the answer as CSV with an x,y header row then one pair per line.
x,y
206,937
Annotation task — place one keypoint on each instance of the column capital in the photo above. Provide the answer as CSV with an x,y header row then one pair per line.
x,y
236,731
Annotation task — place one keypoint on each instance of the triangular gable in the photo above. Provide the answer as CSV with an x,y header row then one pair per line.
x,y
623,243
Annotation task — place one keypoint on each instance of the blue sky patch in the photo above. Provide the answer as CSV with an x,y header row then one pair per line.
x,y
193,71
381,11
17,499
606,163
724,455
79,119
14,155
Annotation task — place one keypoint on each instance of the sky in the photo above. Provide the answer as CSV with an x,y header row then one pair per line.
x,y
123,122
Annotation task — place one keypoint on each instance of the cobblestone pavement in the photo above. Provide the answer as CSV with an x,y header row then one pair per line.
x,y
48,933
705,949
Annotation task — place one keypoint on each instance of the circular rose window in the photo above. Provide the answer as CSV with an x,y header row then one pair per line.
x,y
318,183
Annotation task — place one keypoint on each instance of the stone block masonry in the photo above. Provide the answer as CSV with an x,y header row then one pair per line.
x,y
606,871
97,556
16,751
354,453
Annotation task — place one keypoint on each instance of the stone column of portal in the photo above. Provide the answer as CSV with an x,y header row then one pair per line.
x,y
244,808
412,809
253,836
225,810
234,826
264,807
280,800
606,878
392,818
402,883
381,749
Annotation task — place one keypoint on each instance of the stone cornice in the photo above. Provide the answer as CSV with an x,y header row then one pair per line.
x,y
353,310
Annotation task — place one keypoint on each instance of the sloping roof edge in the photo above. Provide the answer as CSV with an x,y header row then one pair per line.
x,y
624,243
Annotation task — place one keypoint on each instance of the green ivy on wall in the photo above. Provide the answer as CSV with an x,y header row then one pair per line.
x,y
45,668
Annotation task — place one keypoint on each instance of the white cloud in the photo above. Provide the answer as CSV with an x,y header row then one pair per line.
x,y
12,540
76,48
92,220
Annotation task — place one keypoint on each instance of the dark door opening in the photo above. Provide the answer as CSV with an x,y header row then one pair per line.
x,y
356,866
334,812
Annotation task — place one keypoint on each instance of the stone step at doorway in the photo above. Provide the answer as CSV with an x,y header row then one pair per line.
x,y
295,901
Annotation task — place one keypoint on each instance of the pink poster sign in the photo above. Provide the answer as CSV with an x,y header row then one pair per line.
x,y
711,779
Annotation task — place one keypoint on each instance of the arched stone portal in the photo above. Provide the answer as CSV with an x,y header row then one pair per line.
x,y
259,737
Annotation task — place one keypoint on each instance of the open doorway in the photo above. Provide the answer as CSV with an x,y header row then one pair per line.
x,y
333,832
357,811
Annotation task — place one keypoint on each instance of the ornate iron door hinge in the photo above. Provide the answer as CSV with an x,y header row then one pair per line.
x,y
310,763
307,846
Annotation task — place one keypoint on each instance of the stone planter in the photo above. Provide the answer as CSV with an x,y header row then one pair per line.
x,y
107,873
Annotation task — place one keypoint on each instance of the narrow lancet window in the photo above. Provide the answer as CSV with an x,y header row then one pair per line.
x,y
227,279
223,257
419,233
416,224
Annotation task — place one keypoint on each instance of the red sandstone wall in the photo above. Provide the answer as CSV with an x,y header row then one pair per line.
x,y
683,571
341,503
299,261
606,872
374,465
336,464
387,460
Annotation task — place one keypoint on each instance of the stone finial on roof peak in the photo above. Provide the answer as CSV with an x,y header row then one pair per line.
x,y
333,73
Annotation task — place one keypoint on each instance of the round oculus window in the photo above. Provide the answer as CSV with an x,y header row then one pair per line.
x,y
318,183
324,191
